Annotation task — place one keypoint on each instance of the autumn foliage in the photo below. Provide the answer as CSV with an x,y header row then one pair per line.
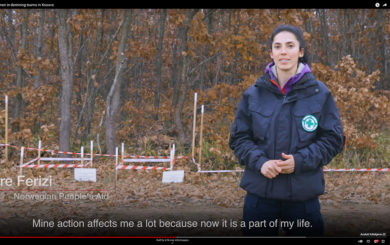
x,y
364,109
169,55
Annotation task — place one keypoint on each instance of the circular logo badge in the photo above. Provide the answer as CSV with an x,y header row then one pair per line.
x,y
309,123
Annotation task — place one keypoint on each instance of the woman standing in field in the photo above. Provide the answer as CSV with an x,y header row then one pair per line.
x,y
286,128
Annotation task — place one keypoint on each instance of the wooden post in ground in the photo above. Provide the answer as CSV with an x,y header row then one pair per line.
x,y
201,136
172,157
91,153
122,152
21,160
194,126
6,128
82,155
116,165
39,151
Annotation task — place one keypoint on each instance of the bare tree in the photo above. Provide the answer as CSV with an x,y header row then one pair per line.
x,y
183,32
113,97
65,49
19,69
325,39
38,46
157,91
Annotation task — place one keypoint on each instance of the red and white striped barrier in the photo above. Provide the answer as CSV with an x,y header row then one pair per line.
x,y
121,166
94,154
154,157
131,167
147,160
356,169
170,159
54,166
32,165
325,169
135,159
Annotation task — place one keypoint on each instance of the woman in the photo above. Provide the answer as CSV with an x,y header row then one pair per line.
x,y
286,128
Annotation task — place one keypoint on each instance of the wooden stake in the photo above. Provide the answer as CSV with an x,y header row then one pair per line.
x,y
201,136
39,152
194,126
122,152
82,155
6,128
116,165
91,153
21,160
172,156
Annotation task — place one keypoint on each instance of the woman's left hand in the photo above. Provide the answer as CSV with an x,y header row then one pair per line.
x,y
288,165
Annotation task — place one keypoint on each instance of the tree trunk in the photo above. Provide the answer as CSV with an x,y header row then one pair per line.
x,y
386,54
325,38
66,69
174,79
19,69
93,75
343,40
180,104
38,47
113,97
157,89
183,31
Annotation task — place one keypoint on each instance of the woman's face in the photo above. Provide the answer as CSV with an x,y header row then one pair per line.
x,y
285,51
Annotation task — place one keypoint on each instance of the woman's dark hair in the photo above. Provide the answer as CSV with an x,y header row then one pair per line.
x,y
298,34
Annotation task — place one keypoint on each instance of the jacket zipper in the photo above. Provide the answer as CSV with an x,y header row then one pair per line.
x,y
289,181
269,183
289,176
276,121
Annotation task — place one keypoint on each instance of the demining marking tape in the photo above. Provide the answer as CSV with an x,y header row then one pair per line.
x,y
34,160
131,167
325,170
357,170
146,160
63,159
220,171
52,166
151,158
94,154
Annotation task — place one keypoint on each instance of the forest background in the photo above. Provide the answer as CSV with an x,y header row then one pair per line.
x,y
129,76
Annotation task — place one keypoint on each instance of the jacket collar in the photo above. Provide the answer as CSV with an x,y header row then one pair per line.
x,y
304,87
301,71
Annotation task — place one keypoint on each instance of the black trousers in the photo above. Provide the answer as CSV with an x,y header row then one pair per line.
x,y
266,217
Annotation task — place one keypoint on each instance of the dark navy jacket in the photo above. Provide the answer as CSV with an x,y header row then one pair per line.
x,y
268,123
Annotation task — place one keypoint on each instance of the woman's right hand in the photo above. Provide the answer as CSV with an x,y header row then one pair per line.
x,y
270,169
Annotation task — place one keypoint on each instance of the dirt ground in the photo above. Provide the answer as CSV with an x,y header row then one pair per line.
x,y
138,203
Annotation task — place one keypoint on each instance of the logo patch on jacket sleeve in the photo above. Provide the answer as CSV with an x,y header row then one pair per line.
x,y
309,123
